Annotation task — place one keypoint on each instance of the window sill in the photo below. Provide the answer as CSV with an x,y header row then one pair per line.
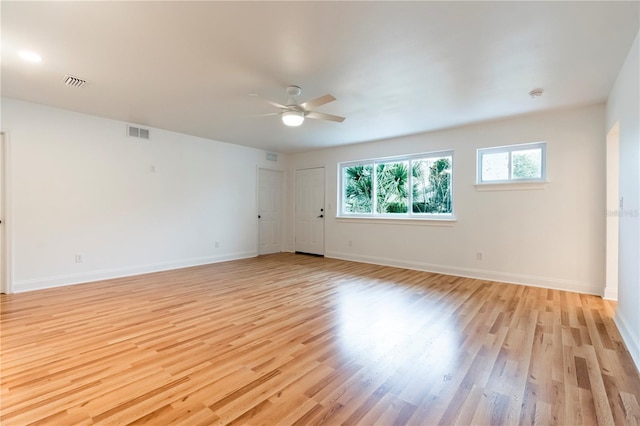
x,y
451,221
511,186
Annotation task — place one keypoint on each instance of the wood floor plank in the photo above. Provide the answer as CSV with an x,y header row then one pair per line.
x,y
291,339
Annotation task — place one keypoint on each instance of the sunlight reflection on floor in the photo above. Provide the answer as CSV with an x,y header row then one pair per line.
x,y
397,331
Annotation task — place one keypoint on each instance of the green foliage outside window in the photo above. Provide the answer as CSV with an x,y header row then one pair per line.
x,y
527,164
392,187
430,183
358,192
432,186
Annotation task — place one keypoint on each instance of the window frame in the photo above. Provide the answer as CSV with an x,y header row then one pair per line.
x,y
510,149
410,215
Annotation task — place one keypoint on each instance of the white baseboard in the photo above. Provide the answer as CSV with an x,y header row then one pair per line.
x,y
632,342
105,274
506,277
610,293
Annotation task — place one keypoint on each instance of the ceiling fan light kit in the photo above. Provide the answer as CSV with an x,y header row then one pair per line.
x,y
292,118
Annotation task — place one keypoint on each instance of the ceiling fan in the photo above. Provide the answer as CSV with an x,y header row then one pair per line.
x,y
294,113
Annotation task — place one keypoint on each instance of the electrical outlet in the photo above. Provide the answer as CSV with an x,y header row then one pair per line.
x,y
217,244
78,258
479,255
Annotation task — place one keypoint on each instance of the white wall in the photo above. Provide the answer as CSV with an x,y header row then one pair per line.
x,y
623,107
78,184
553,237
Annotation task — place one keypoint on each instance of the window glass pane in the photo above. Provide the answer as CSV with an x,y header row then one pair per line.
x,y
495,166
392,186
388,187
358,194
431,185
527,164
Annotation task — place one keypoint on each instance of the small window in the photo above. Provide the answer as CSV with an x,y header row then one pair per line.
x,y
514,163
416,186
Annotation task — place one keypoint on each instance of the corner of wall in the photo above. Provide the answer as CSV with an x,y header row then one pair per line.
x,y
610,294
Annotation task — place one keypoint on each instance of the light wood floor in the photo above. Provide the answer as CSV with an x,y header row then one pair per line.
x,y
291,339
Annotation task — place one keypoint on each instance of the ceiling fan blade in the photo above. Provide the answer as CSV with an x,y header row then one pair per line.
x,y
269,114
323,116
314,103
275,104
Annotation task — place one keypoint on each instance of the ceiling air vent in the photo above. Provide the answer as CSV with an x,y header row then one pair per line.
x,y
137,132
70,80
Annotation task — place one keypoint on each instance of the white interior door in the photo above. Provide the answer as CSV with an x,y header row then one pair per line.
x,y
269,211
310,212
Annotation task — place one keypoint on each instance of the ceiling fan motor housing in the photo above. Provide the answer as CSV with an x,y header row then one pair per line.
x,y
293,91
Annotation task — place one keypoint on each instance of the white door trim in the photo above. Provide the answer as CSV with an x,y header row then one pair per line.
x,y
6,280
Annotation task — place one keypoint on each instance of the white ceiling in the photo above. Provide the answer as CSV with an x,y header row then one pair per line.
x,y
396,68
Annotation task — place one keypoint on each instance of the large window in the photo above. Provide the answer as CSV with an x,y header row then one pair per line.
x,y
514,163
417,186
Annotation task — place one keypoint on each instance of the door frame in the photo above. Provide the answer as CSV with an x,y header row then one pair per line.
x,y
6,281
283,206
612,206
324,203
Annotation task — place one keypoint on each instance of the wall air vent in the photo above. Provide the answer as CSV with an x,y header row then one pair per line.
x,y
137,132
70,80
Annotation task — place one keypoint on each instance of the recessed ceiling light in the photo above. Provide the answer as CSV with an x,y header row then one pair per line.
x,y
30,56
